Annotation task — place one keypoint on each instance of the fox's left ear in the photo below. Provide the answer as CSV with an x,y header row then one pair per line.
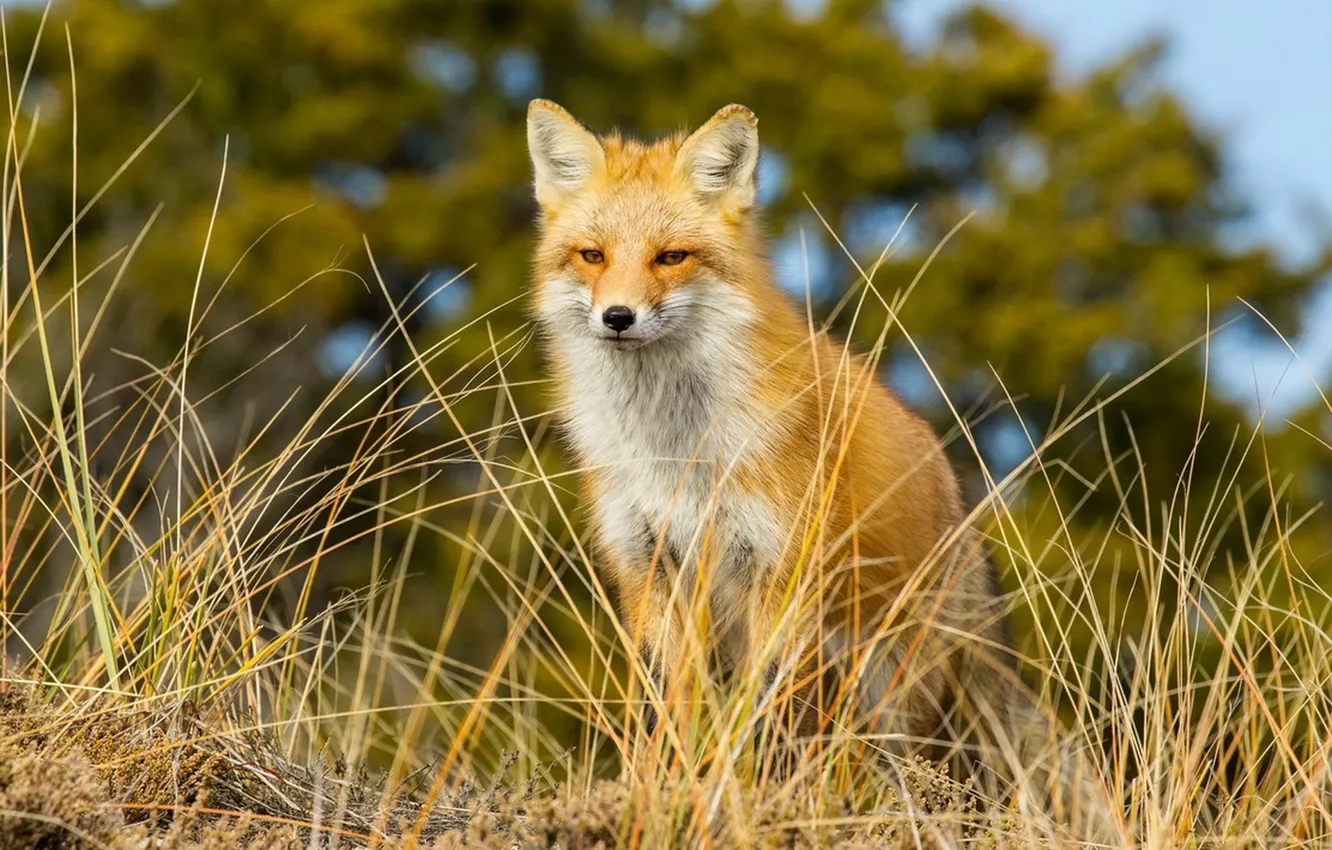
x,y
721,158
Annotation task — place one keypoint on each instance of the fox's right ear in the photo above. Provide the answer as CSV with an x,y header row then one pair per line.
x,y
564,154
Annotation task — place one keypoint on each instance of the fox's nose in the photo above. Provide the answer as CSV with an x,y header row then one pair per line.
x,y
618,318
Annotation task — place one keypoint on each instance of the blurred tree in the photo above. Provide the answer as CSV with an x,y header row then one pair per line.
x,y
1103,207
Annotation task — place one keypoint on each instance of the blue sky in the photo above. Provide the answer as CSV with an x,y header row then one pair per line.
x,y
1261,74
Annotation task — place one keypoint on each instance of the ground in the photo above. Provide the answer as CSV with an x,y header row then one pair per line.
x,y
99,774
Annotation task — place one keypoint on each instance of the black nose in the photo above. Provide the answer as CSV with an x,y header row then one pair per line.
x,y
618,318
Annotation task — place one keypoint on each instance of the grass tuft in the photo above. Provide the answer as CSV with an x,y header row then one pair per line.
x,y
214,638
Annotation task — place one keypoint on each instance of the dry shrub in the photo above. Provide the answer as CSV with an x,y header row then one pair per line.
x,y
91,775
927,810
48,802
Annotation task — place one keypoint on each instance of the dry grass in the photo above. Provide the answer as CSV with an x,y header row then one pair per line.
x,y
182,681
106,774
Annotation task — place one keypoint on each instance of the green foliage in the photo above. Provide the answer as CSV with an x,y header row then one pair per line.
x,y
1103,208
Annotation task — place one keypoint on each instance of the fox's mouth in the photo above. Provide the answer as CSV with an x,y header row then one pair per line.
x,y
625,343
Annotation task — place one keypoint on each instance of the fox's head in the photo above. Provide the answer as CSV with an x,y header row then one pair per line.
x,y
644,243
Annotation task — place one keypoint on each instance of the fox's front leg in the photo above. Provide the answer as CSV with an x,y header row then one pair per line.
x,y
797,685
652,625
639,568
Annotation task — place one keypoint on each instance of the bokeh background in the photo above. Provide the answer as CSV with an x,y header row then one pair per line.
x,y
1140,173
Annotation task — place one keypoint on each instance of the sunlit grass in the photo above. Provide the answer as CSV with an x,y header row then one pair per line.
x,y
153,571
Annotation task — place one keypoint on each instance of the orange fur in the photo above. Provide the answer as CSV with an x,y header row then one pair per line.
x,y
742,469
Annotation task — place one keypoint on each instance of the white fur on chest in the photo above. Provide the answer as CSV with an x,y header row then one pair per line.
x,y
665,437
664,427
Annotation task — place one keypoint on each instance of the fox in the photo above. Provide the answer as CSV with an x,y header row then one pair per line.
x,y
726,443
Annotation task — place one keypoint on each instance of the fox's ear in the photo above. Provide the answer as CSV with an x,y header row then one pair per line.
x,y
720,159
564,154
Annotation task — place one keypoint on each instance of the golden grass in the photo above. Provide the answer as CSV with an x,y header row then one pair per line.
x,y
183,677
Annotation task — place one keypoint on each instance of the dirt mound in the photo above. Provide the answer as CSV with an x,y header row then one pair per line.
x,y
103,775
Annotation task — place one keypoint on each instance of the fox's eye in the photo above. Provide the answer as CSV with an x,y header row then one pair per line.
x,y
671,258
593,256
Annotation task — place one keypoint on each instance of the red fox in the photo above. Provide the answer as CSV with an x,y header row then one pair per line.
x,y
727,445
